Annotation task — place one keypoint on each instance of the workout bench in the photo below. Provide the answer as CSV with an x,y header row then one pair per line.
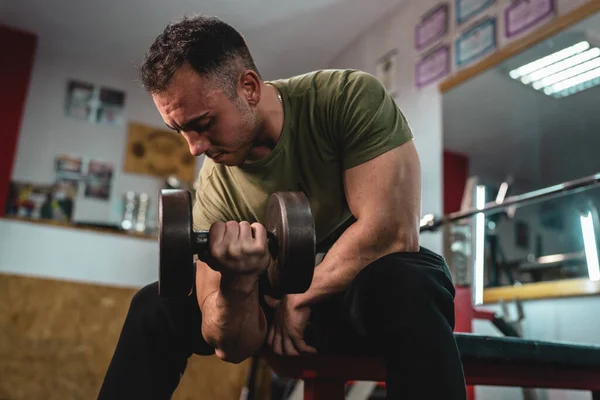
x,y
492,361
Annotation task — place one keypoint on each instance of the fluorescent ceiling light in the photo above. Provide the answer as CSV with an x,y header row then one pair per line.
x,y
479,246
564,72
591,251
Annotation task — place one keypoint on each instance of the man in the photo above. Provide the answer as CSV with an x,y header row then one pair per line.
x,y
337,136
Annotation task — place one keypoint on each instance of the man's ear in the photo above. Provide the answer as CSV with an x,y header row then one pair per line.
x,y
250,85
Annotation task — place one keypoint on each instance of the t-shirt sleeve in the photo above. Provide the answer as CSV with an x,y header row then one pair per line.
x,y
369,122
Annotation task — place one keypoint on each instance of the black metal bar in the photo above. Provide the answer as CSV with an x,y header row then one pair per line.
x,y
504,327
574,186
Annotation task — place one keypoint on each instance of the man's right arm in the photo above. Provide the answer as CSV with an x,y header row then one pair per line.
x,y
232,319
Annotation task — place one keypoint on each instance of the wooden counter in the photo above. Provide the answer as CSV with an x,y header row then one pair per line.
x,y
57,339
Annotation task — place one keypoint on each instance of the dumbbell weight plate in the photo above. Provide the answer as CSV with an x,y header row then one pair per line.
x,y
176,270
289,223
289,218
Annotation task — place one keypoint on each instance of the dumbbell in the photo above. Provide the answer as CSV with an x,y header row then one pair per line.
x,y
290,235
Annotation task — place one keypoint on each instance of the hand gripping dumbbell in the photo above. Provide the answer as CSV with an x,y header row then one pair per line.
x,y
290,235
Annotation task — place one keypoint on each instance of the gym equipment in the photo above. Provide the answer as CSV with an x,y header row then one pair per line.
x,y
487,360
431,223
290,234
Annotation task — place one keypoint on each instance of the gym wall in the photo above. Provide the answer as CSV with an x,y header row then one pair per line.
x,y
14,81
45,133
64,292
545,319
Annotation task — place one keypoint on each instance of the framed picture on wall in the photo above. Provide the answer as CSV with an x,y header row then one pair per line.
x,y
110,107
79,100
385,71
433,27
476,42
95,104
98,181
521,15
467,9
158,152
433,66
68,167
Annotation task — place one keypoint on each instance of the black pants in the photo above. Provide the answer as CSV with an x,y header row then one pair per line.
x,y
400,307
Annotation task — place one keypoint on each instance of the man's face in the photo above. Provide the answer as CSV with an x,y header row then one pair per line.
x,y
209,120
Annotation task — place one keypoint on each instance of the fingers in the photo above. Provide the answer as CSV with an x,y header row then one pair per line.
x,y
238,248
231,236
271,302
260,235
282,343
220,237
216,233
277,340
271,335
302,347
245,232
288,345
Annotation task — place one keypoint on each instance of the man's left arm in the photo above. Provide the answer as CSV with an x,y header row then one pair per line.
x,y
384,195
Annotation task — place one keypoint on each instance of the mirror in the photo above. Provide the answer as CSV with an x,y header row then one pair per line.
x,y
527,123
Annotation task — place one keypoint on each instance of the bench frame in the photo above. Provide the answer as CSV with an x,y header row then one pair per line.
x,y
325,376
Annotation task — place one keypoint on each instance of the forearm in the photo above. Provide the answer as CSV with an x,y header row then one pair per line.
x,y
360,245
232,319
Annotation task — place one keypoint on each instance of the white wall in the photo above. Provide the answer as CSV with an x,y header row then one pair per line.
x,y
45,133
421,107
76,255
566,319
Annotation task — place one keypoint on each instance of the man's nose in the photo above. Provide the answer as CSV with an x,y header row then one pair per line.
x,y
198,143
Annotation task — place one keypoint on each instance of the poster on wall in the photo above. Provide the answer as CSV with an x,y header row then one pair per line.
x,y
433,66
98,180
476,42
68,167
522,15
433,27
385,71
79,101
158,152
467,9
95,104
110,107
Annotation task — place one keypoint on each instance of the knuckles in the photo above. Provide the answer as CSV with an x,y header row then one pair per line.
x,y
235,241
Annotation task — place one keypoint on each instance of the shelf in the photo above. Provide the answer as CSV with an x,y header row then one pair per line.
x,y
81,227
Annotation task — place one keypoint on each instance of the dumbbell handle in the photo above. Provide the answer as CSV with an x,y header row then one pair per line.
x,y
201,249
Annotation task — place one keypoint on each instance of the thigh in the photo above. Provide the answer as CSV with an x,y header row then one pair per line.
x,y
190,320
401,291
408,295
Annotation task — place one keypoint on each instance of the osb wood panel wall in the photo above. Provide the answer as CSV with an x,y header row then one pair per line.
x,y
57,338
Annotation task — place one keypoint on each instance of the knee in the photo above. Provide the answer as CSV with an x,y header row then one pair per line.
x,y
391,293
145,296
145,301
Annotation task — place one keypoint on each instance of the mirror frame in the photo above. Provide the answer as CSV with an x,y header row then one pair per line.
x,y
539,290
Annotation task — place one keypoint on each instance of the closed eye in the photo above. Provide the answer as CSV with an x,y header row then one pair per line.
x,y
204,127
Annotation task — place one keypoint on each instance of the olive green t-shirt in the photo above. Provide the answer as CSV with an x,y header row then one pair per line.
x,y
333,120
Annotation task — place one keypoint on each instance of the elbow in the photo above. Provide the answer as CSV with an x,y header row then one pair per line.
x,y
232,357
236,352
408,242
403,239
225,349
393,236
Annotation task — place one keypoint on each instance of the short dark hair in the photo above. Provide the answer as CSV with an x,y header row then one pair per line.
x,y
210,46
